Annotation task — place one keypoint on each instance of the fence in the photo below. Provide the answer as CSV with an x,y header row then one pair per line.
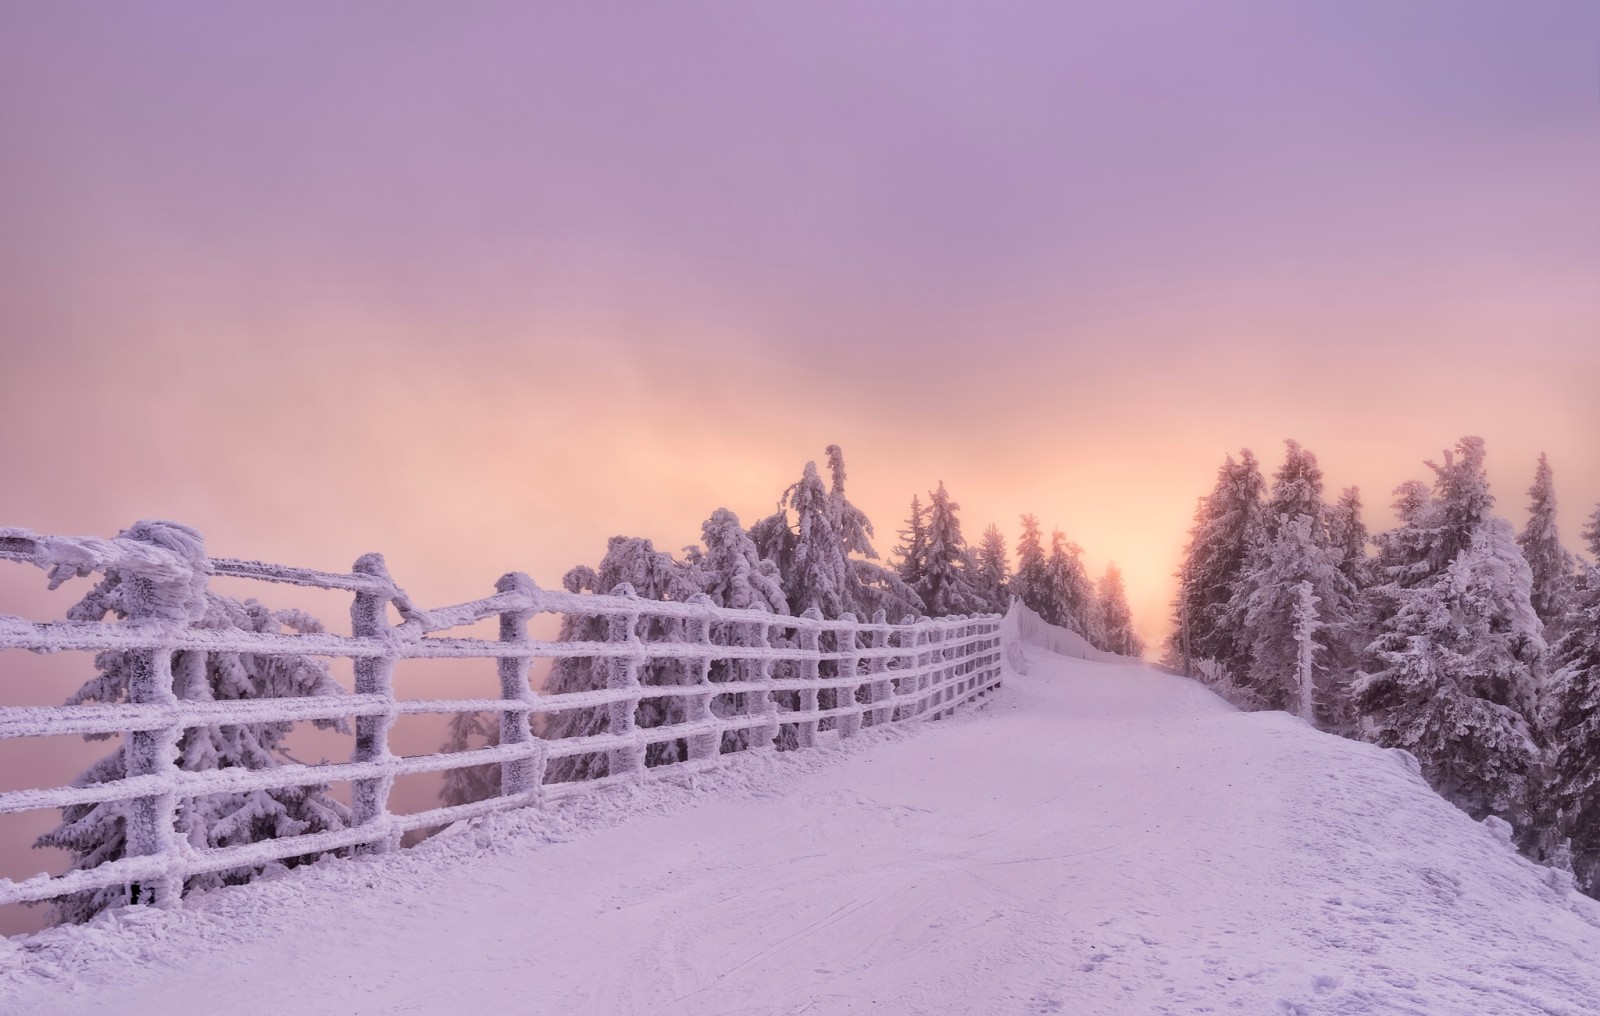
x,y
768,672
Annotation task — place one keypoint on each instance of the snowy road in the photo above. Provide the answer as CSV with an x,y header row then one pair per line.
x,y
1100,839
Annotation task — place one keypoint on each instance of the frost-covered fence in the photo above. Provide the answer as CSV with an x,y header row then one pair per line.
x,y
763,674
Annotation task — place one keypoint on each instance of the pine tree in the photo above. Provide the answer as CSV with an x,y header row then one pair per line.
x,y
1450,668
1347,535
993,570
1031,584
944,587
1076,607
94,834
1552,564
813,554
1293,547
1059,602
631,564
913,548
1307,624
1120,636
1227,525
731,573
1572,724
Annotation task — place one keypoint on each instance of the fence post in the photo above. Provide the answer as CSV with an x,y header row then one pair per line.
x,y
703,746
623,675
905,686
849,724
806,731
880,689
523,775
766,701
374,676
151,821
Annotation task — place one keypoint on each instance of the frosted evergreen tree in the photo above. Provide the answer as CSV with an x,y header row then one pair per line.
x,y
821,576
1552,564
731,571
944,588
95,834
813,552
1293,548
1307,624
1591,536
1120,636
912,551
1059,565
1573,726
1347,535
466,732
1227,525
1031,584
1072,598
1450,670
731,574
630,564
992,570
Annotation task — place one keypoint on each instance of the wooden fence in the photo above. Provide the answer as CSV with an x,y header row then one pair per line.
x,y
764,672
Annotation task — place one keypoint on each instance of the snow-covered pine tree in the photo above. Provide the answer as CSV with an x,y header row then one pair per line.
x,y
1572,724
1120,636
1072,601
912,551
945,588
731,571
1307,623
1347,534
95,833
1552,565
993,570
633,563
732,574
1226,527
1059,610
1293,547
1450,669
813,553
1031,584
821,575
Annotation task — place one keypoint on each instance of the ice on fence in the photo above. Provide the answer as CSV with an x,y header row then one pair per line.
x,y
205,687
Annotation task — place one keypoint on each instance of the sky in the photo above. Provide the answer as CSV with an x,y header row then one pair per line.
x,y
480,286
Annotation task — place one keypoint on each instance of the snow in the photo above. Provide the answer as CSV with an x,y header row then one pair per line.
x,y
1099,839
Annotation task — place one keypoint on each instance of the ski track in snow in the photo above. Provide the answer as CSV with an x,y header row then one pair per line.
x,y
1099,839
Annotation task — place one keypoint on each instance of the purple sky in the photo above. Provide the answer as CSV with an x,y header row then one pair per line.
x,y
480,285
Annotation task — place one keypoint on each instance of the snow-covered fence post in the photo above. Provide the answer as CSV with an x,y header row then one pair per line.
x,y
369,797
623,675
880,689
524,775
766,700
906,667
703,747
151,820
810,645
849,724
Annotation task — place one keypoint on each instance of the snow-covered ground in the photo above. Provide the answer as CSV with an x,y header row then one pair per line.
x,y
1099,839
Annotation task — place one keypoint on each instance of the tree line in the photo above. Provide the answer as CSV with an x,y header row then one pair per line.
x,y
815,552
1472,646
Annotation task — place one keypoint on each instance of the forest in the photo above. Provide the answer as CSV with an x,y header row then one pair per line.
x,y
1471,646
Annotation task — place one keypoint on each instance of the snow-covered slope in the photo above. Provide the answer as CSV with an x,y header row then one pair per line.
x,y
1100,839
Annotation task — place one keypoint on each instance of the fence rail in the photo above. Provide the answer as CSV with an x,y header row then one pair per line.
x,y
877,673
